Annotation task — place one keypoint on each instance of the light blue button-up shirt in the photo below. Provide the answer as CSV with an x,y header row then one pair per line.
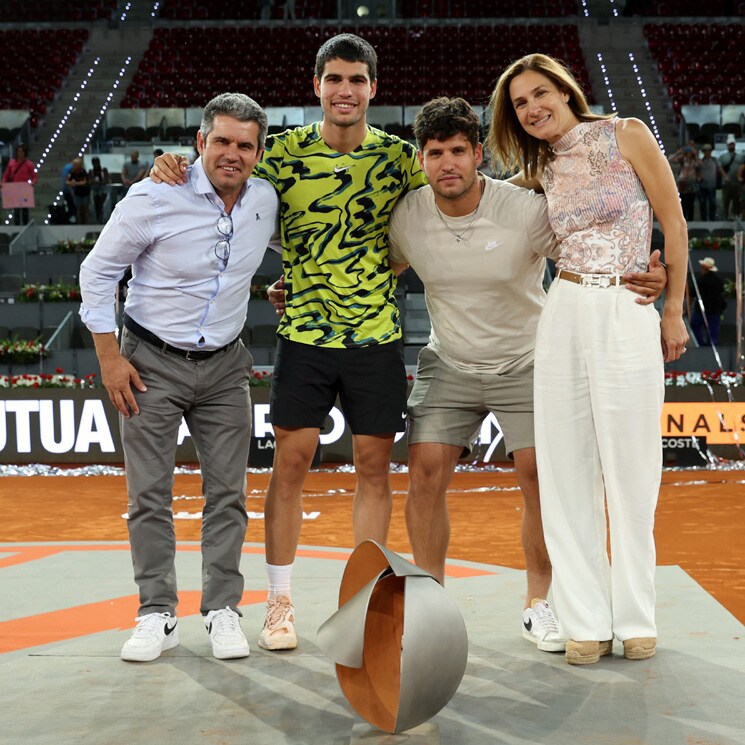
x,y
180,290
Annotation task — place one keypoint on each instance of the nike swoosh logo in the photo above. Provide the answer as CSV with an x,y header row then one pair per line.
x,y
341,169
491,245
403,416
529,624
169,629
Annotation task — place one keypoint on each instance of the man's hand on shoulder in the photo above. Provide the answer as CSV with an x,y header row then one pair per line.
x,y
169,168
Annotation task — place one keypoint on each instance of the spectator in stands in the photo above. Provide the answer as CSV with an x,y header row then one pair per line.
x,y
79,182
99,180
705,326
599,357
265,9
194,252
707,171
341,332
288,10
20,170
729,167
687,178
132,171
67,194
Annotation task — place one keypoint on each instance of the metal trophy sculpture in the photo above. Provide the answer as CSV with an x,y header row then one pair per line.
x,y
398,640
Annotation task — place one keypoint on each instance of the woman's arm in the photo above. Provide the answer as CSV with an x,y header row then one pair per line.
x,y
519,179
638,146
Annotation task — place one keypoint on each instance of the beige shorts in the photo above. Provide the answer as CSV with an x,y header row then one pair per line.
x,y
449,406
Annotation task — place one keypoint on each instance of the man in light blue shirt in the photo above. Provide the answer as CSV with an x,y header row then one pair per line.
x,y
193,252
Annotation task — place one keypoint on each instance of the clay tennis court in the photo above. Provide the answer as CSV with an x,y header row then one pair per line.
x,y
700,517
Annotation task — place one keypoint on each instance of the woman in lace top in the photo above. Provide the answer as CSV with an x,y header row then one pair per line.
x,y
599,384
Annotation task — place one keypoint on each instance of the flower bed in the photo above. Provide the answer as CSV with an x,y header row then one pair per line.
x,y
259,379
71,246
704,377
49,294
16,352
59,380
263,379
713,243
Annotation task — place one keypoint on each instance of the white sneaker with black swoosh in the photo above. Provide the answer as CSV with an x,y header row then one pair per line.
x,y
541,627
153,634
226,636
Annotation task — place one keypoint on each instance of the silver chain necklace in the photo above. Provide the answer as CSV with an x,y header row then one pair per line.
x,y
459,237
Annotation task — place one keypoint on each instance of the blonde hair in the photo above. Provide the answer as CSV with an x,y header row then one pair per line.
x,y
507,141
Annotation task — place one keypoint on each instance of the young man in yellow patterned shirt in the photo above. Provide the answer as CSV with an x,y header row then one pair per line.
x,y
338,181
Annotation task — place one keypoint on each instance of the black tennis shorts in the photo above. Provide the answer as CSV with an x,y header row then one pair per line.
x,y
369,381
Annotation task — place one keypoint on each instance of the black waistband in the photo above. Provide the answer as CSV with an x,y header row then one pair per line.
x,y
188,354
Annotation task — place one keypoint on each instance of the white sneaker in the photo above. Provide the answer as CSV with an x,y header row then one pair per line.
x,y
541,627
226,636
279,625
153,634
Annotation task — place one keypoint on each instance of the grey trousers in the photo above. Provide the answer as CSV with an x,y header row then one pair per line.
x,y
213,396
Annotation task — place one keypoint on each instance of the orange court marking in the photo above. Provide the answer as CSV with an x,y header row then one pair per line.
x,y
27,553
116,614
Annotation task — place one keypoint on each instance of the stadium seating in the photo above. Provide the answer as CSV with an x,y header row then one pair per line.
x,y
35,62
179,68
201,10
53,11
700,63
680,8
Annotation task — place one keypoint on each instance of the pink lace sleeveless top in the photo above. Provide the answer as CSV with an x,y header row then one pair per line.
x,y
596,203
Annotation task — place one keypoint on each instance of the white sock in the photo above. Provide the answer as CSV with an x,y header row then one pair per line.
x,y
279,579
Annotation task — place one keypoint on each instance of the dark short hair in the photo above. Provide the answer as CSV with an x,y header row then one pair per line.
x,y
350,48
443,118
240,107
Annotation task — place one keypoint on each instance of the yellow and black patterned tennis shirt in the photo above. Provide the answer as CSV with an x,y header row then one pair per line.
x,y
334,217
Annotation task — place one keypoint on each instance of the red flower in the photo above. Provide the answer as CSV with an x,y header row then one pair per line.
x,y
58,370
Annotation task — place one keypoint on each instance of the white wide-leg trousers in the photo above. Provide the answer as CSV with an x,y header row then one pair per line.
x,y
599,390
